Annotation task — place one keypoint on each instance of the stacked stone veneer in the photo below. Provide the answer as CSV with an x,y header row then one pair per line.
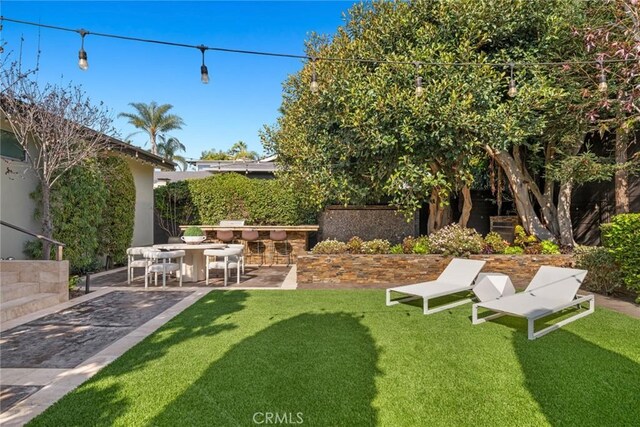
x,y
406,269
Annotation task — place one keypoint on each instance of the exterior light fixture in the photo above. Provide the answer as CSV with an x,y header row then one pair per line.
x,y
602,86
419,88
314,81
82,55
204,72
513,90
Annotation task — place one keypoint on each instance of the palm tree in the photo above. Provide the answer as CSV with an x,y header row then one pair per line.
x,y
240,150
153,119
168,147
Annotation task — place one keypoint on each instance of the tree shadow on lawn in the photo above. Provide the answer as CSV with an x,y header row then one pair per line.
x,y
576,382
102,400
318,368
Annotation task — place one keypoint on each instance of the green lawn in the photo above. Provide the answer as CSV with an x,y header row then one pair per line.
x,y
343,358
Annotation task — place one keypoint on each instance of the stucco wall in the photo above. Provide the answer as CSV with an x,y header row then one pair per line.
x,y
143,225
16,207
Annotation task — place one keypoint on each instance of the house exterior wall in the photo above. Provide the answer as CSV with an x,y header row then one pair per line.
x,y
143,222
16,207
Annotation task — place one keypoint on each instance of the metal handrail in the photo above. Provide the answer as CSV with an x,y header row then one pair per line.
x,y
39,236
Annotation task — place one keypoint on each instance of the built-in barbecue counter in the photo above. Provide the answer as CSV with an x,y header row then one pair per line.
x,y
267,244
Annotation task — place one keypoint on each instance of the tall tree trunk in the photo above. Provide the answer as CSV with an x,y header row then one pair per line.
x,y
622,177
564,214
432,222
466,206
152,140
520,190
47,225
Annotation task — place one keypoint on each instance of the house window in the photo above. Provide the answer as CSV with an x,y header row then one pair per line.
x,y
10,147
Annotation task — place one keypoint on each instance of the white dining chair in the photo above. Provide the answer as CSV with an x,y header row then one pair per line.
x,y
164,262
136,259
224,259
241,257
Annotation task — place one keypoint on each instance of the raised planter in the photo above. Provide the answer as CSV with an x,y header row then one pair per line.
x,y
406,269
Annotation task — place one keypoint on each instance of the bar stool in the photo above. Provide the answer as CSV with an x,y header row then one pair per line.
x,y
225,236
253,237
280,237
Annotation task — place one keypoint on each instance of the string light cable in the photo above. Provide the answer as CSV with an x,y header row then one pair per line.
x,y
83,64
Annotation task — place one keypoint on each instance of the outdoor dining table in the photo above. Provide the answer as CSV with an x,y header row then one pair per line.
x,y
193,267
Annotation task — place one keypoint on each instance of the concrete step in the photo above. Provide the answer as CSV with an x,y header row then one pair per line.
x,y
26,305
8,277
11,291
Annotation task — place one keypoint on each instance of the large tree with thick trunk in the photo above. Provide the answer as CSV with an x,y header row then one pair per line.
x,y
365,135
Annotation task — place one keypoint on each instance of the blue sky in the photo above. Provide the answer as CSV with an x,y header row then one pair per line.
x,y
244,92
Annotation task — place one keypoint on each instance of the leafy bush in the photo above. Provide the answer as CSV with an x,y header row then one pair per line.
x,y
549,248
396,249
376,246
193,232
173,207
354,245
416,245
258,201
514,250
494,243
604,271
407,244
622,238
118,215
522,239
78,200
533,249
455,240
330,246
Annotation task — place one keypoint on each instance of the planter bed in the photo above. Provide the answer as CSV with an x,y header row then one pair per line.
x,y
406,269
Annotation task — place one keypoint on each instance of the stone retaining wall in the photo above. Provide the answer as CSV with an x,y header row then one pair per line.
x,y
407,269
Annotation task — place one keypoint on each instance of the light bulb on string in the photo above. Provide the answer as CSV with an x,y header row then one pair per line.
x,y
82,55
419,88
204,72
513,90
602,85
314,81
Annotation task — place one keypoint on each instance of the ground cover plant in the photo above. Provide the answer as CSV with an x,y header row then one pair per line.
x,y
343,358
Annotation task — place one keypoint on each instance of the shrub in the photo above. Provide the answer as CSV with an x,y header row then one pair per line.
x,y
422,246
118,215
549,248
354,245
514,250
622,238
407,244
494,243
522,239
455,240
173,207
396,249
330,246
193,232
604,271
258,201
533,249
77,201
376,246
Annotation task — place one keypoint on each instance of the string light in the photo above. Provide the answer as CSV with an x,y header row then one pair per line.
x,y
204,72
419,88
82,55
513,90
602,86
314,82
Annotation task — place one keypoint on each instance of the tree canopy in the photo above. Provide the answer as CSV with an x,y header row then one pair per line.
x,y
153,119
365,135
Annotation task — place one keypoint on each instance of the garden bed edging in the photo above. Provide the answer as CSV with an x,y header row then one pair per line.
x,y
406,269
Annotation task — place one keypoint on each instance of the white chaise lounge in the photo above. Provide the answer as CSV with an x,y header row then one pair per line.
x,y
459,276
551,290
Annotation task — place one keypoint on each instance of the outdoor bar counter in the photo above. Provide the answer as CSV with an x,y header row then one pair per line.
x,y
297,239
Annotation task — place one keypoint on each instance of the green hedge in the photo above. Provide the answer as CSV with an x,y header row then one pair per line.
x,y
93,211
78,199
118,215
234,196
622,238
